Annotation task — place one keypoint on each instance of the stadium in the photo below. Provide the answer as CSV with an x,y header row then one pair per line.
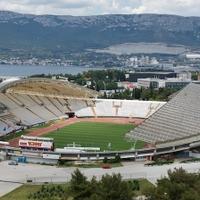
x,y
70,122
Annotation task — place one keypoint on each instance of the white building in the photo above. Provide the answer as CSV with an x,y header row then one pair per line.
x,y
173,83
192,56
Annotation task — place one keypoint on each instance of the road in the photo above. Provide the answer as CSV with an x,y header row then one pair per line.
x,y
42,173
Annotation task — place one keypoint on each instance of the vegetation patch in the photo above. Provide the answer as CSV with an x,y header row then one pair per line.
x,y
21,193
109,187
50,192
106,163
191,160
179,185
23,132
14,135
160,162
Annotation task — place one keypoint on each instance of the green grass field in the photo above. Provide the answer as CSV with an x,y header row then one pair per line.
x,y
95,135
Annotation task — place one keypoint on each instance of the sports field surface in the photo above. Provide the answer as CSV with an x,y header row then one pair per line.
x,y
107,136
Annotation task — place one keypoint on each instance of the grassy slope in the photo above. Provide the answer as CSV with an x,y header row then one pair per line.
x,y
95,134
144,184
14,135
21,193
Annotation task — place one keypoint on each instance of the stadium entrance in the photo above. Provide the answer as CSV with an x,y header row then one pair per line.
x,y
70,114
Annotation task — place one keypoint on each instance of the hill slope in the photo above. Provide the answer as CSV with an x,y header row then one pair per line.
x,y
70,33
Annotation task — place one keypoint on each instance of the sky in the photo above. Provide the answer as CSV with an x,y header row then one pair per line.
x,y
98,7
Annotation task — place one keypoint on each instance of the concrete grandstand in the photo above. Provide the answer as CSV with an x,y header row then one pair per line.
x,y
170,127
177,120
34,101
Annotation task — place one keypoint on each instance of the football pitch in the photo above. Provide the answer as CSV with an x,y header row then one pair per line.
x,y
107,136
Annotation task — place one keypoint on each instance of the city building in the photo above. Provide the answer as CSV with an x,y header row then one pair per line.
x,y
173,83
134,76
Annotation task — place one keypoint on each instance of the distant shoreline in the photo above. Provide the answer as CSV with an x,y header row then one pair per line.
x,y
28,70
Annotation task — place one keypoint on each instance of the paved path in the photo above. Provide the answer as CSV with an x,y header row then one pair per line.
x,y
8,187
42,173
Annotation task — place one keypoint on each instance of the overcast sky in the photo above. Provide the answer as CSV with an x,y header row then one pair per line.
x,y
96,7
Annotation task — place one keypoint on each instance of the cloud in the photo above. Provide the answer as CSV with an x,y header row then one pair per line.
x,y
178,7
96,7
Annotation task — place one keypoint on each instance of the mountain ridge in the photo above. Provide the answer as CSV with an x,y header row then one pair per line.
x,y
77,33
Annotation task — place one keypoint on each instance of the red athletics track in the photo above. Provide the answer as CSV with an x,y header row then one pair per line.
x,y
61,124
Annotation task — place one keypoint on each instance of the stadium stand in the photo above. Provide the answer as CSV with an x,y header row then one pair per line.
x,y
119,108
178,119
64,104
35,101
32,109
7,121
45,87
76,104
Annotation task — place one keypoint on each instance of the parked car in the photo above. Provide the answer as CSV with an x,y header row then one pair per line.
x,y
13,162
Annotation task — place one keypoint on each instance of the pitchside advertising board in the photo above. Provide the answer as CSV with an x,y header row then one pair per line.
x,y
35,144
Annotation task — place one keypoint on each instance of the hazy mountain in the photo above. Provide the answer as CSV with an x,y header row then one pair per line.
x,y
69,33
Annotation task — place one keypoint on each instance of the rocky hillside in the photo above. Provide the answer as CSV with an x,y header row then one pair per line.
x,y
69,33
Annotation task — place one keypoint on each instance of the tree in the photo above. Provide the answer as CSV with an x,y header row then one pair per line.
x,y
79,186
117,159
179,185
110,187
114,188
105,160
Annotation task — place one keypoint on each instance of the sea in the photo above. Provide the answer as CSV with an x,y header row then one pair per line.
x,y
28,70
